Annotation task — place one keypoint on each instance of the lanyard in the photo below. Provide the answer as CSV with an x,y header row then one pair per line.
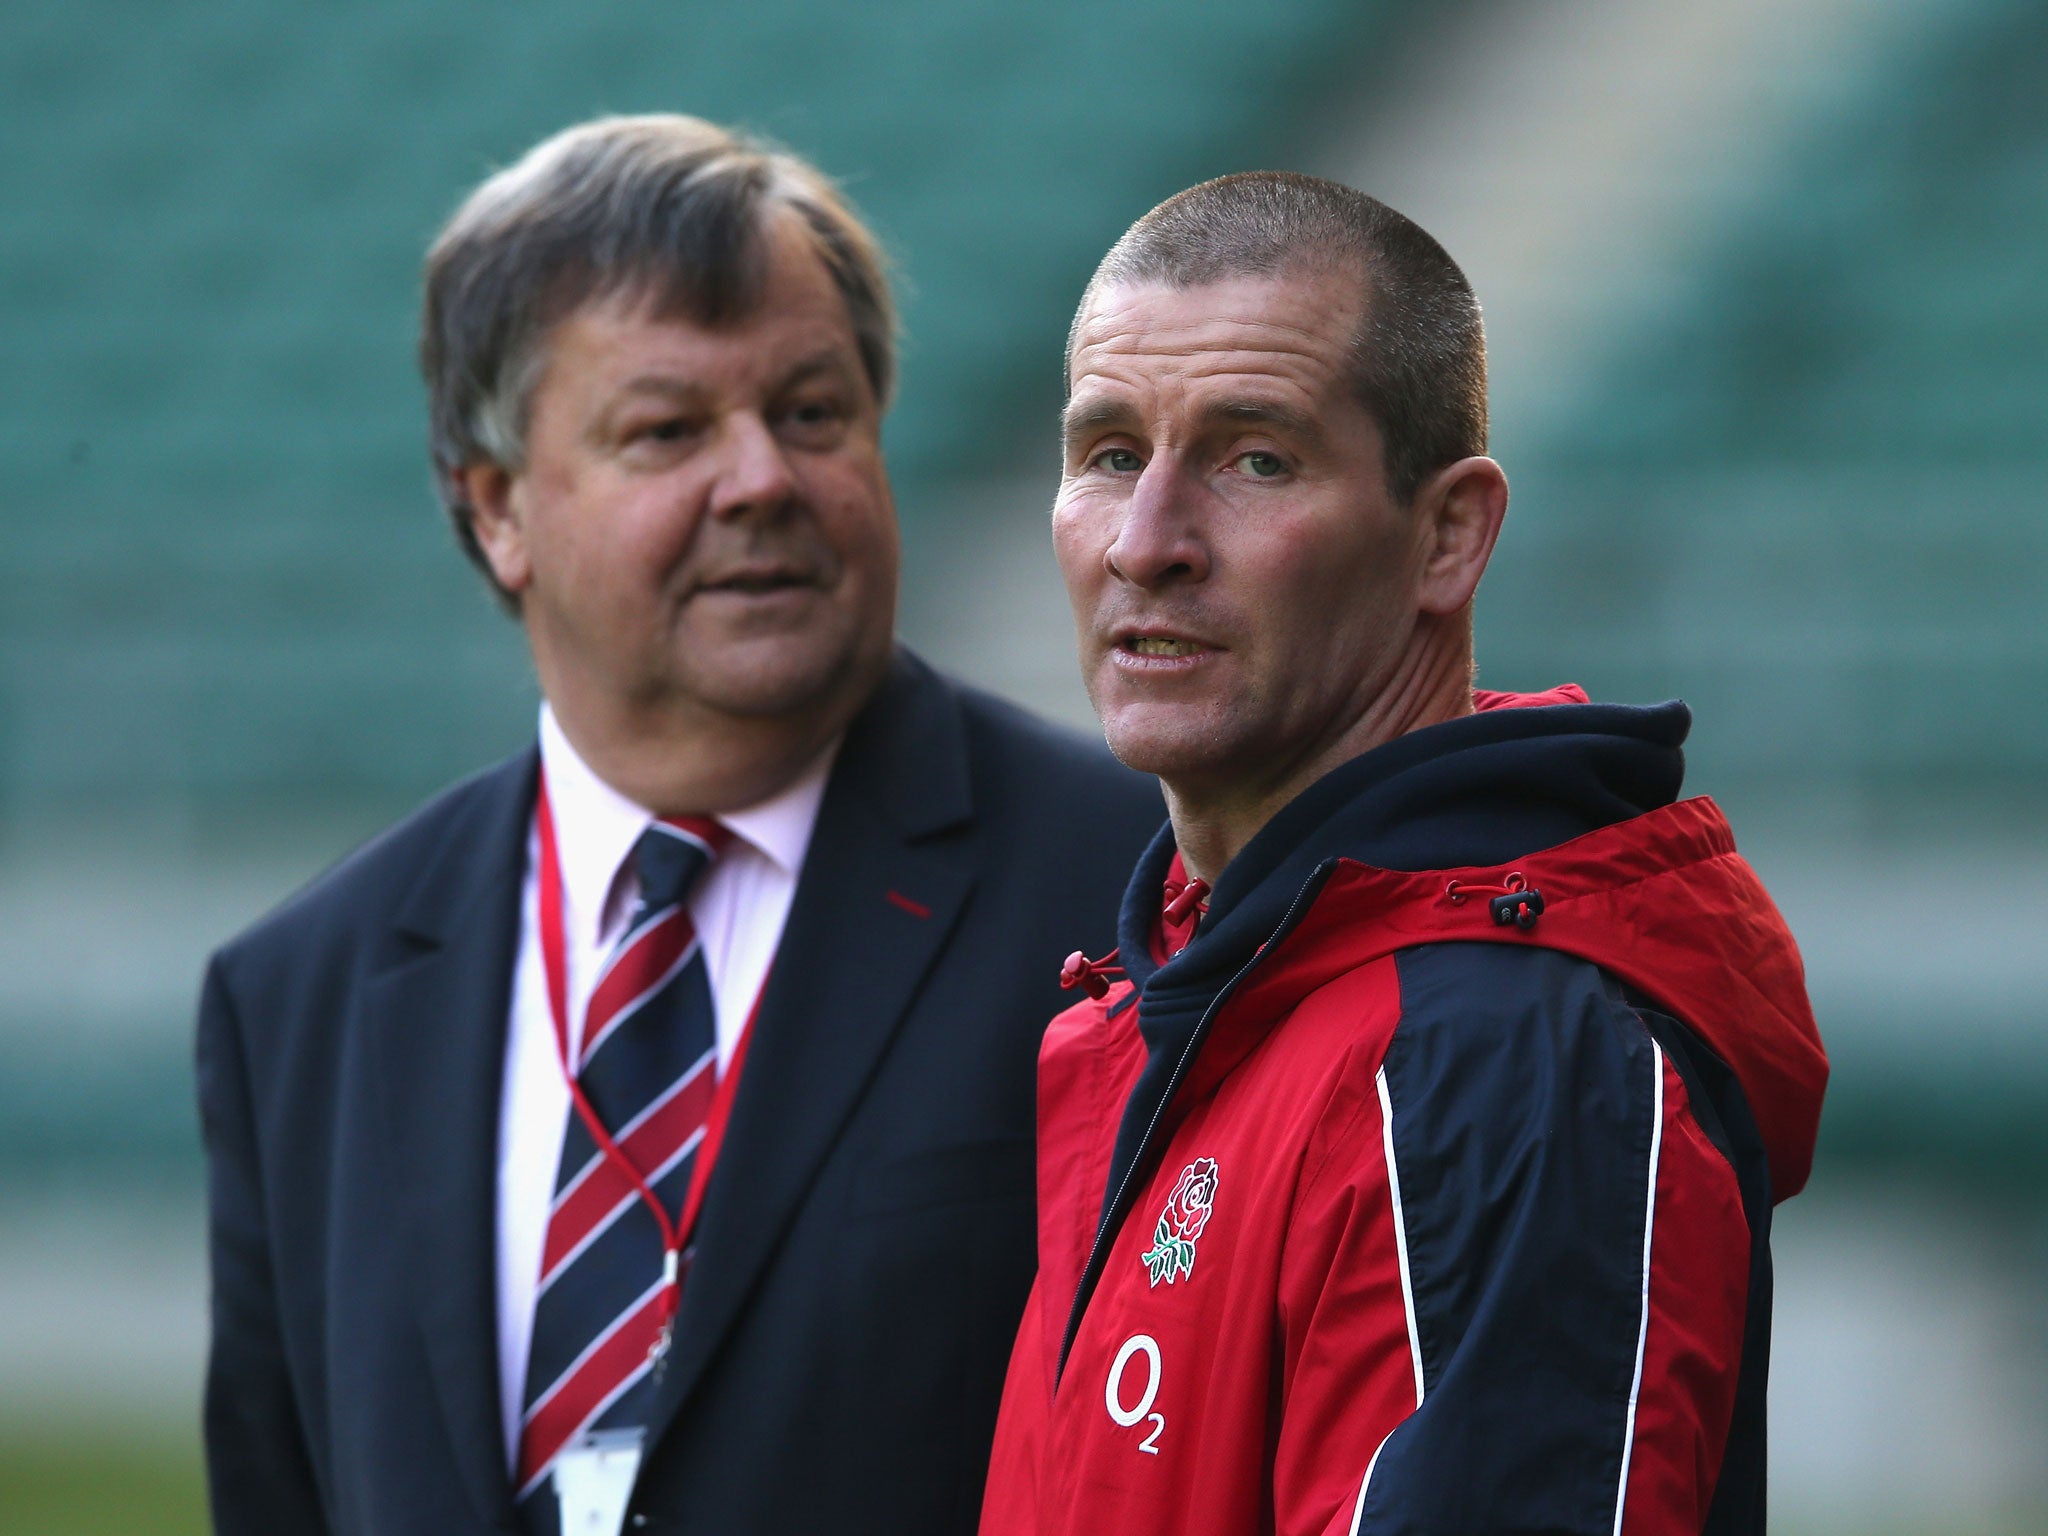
x,y
674,1233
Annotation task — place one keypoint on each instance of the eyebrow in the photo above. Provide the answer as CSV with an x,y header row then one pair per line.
x,y
1092,416
669,385
1270,413
828,360
678,386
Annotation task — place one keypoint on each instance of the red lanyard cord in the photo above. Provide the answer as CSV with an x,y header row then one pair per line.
x,y
553,962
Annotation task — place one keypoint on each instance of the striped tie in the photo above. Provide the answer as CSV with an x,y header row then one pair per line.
x,y
648,1065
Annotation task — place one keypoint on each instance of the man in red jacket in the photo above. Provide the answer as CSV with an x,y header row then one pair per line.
x,y
1417,1174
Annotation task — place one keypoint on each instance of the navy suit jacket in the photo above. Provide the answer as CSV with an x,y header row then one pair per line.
x,y
866,1242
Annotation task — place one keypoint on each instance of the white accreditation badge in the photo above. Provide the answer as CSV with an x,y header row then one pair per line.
x,y
594,1480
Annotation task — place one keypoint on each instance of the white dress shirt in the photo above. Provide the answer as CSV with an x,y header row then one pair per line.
x,y
739,910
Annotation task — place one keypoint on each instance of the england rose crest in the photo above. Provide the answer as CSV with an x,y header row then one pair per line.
x,y
1172,1254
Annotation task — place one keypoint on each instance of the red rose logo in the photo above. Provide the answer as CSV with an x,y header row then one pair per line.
x,y
1172,1255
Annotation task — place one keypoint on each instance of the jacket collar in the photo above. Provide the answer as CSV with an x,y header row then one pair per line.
x,y
433,1019
1575,800
885,880
1491,785
1481,789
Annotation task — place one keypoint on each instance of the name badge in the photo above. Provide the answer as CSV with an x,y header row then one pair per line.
x,y
594,1480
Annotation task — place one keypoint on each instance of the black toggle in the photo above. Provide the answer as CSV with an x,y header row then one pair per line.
x,y
1521,908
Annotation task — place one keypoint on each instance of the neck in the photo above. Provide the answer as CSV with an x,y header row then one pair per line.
x,y
1431,683
702,764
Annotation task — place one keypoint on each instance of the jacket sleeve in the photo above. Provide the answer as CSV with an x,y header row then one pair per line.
x,y
259,1475
1573,1264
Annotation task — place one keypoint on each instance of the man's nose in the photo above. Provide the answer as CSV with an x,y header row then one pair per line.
x,y
754,473
1158,538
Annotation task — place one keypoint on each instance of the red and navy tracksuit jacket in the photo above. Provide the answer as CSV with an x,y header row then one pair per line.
x,y
1428,1187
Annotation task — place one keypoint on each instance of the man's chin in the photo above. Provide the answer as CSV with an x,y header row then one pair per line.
x,y
1168,743
782,677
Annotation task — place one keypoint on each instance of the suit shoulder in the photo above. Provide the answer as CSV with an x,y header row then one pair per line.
x,y
363,887
1050,761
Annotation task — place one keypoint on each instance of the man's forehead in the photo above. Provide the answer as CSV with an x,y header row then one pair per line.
x,y
632,332
1281,323
1315,294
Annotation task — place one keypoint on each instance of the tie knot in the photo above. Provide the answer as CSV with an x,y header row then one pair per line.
x,y
672,855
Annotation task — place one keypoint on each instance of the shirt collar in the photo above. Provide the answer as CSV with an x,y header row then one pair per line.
x,y
596,826
780,826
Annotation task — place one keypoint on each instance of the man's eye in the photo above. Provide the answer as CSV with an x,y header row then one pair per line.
x,y
1120,461
667,429
1261,466
815,423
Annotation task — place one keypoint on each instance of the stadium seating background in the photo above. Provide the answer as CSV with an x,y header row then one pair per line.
x,y
1795,478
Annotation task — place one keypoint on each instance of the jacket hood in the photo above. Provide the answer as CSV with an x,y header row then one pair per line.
x,y
1520,773
1411,844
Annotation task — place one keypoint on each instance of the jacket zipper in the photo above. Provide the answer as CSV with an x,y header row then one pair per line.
x,y
1113,1217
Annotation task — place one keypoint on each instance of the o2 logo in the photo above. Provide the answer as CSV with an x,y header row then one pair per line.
x,y
1113,1390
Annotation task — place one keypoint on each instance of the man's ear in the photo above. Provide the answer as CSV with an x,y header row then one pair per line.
x,y
496,518
1461,507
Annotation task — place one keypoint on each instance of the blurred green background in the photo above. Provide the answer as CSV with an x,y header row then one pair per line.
x,y
1766,293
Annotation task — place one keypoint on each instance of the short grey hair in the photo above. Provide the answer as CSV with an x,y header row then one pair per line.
x,y
661,206
1420,349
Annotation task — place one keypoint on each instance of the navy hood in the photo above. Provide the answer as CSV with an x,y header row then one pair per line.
x,y
1486,788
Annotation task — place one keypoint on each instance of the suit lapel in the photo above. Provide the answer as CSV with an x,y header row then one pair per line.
x,y
879,893
435,1019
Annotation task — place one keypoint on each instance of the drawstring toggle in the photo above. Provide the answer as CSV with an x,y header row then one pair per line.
x,y
1514,901
1090,976
1184,902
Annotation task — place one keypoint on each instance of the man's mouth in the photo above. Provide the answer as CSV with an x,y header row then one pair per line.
x,y
1162,646
758,583
1159,645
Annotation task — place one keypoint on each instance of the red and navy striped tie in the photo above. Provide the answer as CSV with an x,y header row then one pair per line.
x,y
647,1063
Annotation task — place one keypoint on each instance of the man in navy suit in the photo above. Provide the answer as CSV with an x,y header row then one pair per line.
x,y
766,886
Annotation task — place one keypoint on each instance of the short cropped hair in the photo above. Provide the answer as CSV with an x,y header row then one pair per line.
x,y
1420,349
662,207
